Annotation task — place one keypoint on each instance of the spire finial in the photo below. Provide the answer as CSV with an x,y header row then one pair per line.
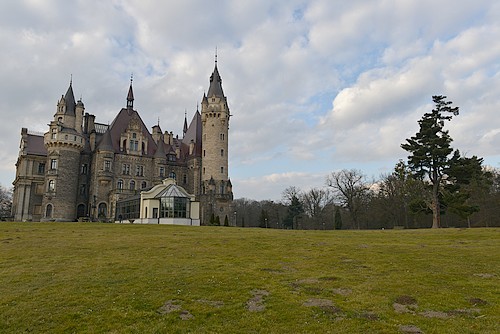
x,y
216,55
131,78
71,79
158,120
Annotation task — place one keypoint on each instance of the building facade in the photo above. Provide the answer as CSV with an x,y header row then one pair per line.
x,y
79,169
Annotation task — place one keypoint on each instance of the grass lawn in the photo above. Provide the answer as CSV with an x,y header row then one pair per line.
x,y
94,278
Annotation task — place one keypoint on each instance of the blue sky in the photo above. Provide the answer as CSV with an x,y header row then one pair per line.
x,y
313,86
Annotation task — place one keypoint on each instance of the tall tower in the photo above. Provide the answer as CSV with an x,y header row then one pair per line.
x,y
216,189
64,142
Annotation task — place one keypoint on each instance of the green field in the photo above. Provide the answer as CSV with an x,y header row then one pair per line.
x,y
95,278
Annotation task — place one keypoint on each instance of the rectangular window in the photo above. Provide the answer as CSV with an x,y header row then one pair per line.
x,y
134,145
162,171
221,153
139,170
53,163
41,168
126,169
222,170
84,169
107,165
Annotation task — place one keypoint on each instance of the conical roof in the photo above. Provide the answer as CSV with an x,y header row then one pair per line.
x,y
69,98
160,151
215,88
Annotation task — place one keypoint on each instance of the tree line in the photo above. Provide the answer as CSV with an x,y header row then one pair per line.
x,y
436,187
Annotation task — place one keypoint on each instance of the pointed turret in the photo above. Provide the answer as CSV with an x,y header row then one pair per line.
x,y
130,96
69,98
215,83
185,124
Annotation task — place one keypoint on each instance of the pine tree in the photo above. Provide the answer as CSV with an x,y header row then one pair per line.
x,y
338,219
430,149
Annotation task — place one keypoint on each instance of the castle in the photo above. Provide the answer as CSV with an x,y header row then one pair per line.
x,y
80,169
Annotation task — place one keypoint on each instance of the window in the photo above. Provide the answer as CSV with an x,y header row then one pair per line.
x,y
41,168
203,170
134,145
134,135
53,163
107,165
221,152
83,189
162,171
53,134
139,170
204,153
222,170
172,175
119,185
184,179
143,184
221,136
132,185
221,188
48,211
174,207
52,185
84,168
126,169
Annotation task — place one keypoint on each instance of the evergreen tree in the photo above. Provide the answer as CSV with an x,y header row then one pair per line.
x,y
430,149
338,219
226,221
217,221
295,208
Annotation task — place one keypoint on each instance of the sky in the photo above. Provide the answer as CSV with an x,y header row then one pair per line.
x,y
313,86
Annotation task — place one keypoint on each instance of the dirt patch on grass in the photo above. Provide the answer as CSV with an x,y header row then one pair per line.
x,y
342,291
405,300
477,302
369,316
256,303
186,315
328,278
405,304
169,307
324,304
465,312
410,329
485,275
435,314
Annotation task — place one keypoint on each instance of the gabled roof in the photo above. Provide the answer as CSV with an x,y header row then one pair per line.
x,y
160,151
120,124
173,190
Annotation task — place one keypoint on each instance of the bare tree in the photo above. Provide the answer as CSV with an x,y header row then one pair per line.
x,y
5,202
350,190
315,201
289,194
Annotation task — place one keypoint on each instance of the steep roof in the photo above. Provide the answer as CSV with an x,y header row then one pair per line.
x,y
194,133
106,143
120,124
35,145
69,98
215,88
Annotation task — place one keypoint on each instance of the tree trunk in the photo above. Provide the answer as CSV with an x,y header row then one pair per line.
x,y
436,214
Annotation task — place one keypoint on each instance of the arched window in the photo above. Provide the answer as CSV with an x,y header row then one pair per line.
x,y
102,210
80,210
48,211
119,185
132,185
184,179
172,175
222,188
52,185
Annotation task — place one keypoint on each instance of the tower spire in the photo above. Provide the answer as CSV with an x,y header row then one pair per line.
x,y
185,122
130,96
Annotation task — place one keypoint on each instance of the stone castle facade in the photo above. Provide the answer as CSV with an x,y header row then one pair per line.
x,y
80,169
